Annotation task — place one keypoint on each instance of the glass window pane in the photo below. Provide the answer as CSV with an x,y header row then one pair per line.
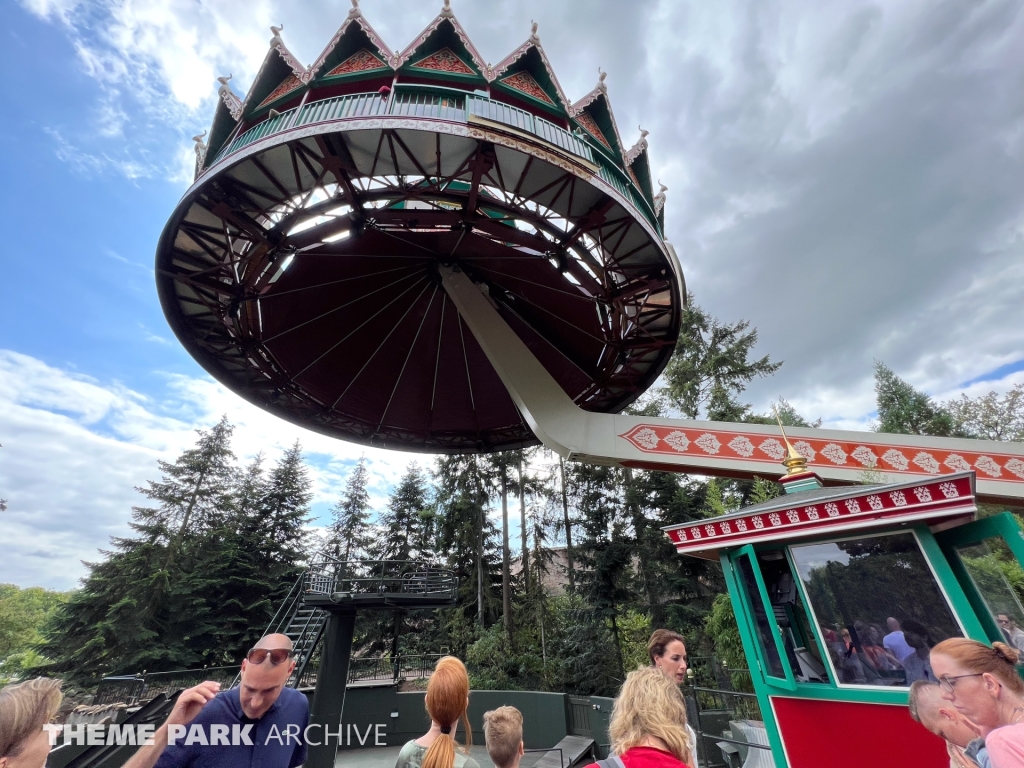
x,y
988,566
790,615
761,623
878,607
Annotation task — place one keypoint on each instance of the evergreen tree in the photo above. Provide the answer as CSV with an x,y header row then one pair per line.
x,y
711,366
904,410
141,607
350,532
407,521
462,495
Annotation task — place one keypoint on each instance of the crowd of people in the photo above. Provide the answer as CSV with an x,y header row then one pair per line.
x,y
869,655
967,693
648,727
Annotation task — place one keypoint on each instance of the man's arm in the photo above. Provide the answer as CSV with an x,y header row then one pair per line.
x,y
188,705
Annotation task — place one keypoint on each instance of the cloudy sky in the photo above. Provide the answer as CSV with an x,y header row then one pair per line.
x,y
848,176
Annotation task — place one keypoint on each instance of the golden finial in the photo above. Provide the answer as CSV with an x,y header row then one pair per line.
x,y
794,462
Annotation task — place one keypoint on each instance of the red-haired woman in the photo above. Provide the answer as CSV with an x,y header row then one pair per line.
x,y
983,684
447,701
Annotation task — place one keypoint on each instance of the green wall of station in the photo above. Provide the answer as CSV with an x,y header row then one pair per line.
x,y
403,716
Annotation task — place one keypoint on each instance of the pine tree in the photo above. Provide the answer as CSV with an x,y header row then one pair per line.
x,y
904,410
350,532
462,496
406,522
711,366
141,607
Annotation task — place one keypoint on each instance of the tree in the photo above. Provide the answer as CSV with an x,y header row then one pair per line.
x,y
23,613
462,495
349,535
711,366
222,550
193,496
904,410
407,521
990,417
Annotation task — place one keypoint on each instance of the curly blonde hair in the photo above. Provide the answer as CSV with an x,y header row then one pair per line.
x,y
650,704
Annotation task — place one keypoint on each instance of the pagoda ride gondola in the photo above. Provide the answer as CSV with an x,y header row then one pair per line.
x,y
423,251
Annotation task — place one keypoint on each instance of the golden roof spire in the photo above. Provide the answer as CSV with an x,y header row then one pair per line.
x,y
794,462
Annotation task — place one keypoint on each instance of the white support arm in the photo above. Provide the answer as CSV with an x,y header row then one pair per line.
x,y
715,448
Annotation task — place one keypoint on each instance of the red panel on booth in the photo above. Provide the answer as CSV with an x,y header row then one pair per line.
x,y
842,734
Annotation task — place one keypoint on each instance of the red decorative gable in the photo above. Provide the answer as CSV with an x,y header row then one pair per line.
x,y
360,61
524,82
588,123
444,61
792,518
290,84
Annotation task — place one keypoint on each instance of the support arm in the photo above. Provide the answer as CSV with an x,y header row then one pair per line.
x,y
715,448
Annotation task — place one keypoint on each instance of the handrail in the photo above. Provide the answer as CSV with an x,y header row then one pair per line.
x,y
445,104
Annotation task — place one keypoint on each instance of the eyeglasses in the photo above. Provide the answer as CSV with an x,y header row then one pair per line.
x,y
948,683
277,655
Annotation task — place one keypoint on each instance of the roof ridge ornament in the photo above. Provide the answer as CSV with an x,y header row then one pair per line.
x,y
534,37
354,10
659,199
638,148
231,101
601,75
276,40
446,10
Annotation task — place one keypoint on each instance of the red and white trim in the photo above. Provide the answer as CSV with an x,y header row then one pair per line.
x,y
951,496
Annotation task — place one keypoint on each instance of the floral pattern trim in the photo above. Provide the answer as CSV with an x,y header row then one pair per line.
x,y
360,61
588,124
937,495
444,60
291,83
895,459
524,83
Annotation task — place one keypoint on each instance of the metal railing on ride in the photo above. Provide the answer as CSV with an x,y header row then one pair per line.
x,y
723,711
441,104
131,689
328,576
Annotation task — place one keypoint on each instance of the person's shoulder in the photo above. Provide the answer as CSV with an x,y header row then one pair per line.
x,y
467,761
1008,735
294,697
410,756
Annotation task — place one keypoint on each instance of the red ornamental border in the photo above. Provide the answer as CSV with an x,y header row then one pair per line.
x,y
808,518
288,85
889,458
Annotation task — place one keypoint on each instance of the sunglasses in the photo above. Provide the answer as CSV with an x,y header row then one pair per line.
x,y
277,655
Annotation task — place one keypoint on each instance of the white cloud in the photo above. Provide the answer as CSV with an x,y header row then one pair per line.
x,y
75,448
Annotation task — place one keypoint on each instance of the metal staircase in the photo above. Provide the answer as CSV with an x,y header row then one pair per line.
x,y
303,624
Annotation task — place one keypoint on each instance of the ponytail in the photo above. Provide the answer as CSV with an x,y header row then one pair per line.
x,y
445,702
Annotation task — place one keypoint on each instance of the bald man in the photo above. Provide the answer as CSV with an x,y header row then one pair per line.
x,y
260,723
940,717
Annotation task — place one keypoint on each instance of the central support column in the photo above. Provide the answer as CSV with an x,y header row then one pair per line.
x,y
331,684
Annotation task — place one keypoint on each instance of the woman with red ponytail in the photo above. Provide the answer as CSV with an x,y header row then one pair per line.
x,y
446,702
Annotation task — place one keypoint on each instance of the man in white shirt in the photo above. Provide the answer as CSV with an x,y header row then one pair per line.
x,y
895,641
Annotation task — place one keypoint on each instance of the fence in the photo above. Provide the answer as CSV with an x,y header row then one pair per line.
x,y
131,689
724,712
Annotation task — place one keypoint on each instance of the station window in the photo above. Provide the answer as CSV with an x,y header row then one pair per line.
x,y
877,606
788,614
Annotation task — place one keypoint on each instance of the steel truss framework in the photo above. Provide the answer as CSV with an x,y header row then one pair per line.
x,y
304,277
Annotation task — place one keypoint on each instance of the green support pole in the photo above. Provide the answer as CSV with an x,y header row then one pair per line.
x,y
331,682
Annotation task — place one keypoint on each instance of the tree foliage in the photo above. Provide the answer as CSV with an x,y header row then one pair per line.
x,y
201,577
